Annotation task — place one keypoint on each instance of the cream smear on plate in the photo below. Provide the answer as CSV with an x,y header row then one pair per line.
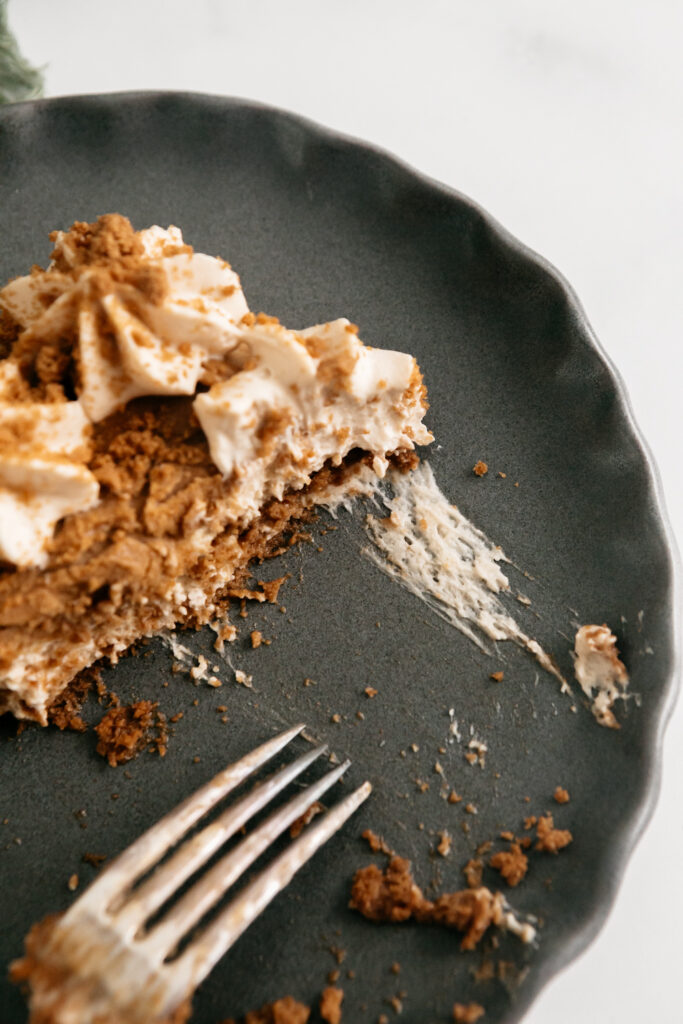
x,y
435,552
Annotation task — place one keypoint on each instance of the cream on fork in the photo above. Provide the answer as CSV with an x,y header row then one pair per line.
x,y
102,963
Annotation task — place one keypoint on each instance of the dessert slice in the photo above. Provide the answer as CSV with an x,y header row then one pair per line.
x,y
155,437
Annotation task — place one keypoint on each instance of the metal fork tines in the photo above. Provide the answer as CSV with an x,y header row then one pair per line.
x,y
113,951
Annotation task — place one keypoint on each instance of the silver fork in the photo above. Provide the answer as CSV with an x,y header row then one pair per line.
x,y
102,962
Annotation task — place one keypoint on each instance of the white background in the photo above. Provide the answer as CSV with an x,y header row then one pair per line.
x,y
564,121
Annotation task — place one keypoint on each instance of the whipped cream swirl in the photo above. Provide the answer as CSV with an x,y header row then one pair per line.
x,y
152,317
43,475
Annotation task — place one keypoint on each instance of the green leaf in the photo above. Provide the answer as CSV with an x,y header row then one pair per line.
x,y
18,80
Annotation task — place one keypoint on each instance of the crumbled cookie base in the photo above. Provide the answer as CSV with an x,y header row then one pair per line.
x,y
467,1013
125,731
330,1005
283,1011
393,896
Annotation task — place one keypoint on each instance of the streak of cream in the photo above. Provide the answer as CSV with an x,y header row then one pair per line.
x,y
435,552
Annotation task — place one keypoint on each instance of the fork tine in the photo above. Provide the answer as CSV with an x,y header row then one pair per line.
x,y
204,952
168,878
205,893
150,847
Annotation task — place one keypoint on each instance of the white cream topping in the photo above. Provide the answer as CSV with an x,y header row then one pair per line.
x,y
42,476
129,346
293,401
599,671
307,397
436,553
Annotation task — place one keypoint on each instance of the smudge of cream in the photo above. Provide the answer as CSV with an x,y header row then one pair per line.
x,y
435,552
599,671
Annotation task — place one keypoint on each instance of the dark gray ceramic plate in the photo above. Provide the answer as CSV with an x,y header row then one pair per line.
x,y
319,227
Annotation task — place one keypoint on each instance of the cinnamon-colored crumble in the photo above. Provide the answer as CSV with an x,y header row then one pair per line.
x,y
473,872
330,1005
125,731
511,863
283,1011
480,468
467,1013
377,843
561,796
297,827
393,896
551,839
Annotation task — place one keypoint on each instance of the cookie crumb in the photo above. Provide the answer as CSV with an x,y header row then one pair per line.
x,y
330,1005
561,795
551,839
480,468
467,1013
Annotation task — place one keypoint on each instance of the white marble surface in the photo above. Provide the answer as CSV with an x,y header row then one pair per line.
x,y
564,121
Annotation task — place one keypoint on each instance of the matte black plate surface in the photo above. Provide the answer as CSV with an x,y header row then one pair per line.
x,y
320,227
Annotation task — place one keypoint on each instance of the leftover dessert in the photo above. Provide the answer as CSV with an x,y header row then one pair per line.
x,y
393,896
467,1013
283,1011
599,671
125,731
155,437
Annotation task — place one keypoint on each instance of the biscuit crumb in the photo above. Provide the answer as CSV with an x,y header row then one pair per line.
x,y
480,468
330,1005
512,864
467,1013
551,839
309,814
497,677
561,796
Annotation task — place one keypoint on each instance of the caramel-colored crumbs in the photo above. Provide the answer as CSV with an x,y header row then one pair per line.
x,y
72,884
480,468
512,864
502,475
530,822
507,834
395,968
467,1013
256,637
561,796
370,691
125,731
473,872
392,895
338,953
470,757
551,839
497,677
445,843
283,1011
470,809
377,843
454,798
177,717
396,1003
297,827
330,1005
96,860
65,711
333,976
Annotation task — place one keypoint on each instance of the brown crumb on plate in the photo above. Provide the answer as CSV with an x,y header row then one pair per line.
x,y
125,731
551,839
480,468
561,796
512,864
467,1013
330,1005
393,896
